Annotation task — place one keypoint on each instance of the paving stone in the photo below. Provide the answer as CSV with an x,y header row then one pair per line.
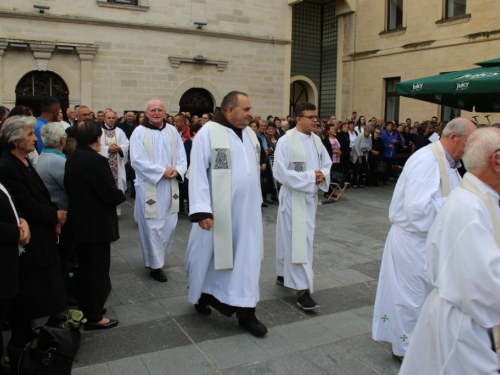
x,y
101,369
345,324
177,305
129,289
122,342
350,276
371,269
118,266
274,312
364,312
369,288
307,334
139,312
233,351
112,300
202,328
373,354
128,366
185,360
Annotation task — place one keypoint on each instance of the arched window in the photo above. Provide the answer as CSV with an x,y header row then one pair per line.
x,y
298,94
196,101
36,85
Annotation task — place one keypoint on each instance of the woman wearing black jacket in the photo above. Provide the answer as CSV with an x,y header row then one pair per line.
x,y
93,197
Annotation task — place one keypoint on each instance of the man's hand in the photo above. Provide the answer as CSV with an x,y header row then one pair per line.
x,y
24,232
114,148
320,177
263,167
205,224
58,229
391,147
360,160
394,141
61,217
170,173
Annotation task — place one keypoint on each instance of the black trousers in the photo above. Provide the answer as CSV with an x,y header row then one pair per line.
x,y
93,280
359,172
4,309
227,310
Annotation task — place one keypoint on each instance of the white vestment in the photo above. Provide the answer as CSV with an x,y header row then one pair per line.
x,y
156,233
463,267
297,276
238,286
402,286
122,141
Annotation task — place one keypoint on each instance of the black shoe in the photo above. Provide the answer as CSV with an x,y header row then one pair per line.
x,y
263,205
95,326
306,302
280,280
202,309
158,275
253,325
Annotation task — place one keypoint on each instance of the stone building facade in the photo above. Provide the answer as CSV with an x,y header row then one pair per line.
x,y
121,53
384,41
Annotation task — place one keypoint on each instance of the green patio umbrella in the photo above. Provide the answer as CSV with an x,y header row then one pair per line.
x,y
472,89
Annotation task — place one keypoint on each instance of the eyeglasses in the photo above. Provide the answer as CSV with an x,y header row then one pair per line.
x,y
311,117
156,110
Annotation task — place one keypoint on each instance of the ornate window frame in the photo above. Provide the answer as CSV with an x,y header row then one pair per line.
x,y
142,5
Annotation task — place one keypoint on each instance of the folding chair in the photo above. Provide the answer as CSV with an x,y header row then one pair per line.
x,y
341,188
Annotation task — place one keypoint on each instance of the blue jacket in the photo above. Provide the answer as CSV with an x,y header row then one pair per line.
x,y
38,127
387,139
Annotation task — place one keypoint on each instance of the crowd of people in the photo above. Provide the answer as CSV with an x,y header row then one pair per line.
x,y
62,183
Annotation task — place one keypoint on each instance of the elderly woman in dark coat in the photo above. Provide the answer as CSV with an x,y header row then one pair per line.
x,y
14,234
93,197
41,288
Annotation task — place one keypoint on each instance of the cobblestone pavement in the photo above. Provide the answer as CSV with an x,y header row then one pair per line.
x,y
159,332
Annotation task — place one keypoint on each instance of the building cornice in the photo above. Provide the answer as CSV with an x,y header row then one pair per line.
x,y
134,25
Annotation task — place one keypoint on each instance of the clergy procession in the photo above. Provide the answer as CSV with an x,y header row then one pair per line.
x,y
63,197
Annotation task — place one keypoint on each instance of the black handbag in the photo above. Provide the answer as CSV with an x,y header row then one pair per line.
x,y
338,177
31,361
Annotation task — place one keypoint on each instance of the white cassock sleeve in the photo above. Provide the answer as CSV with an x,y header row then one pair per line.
x,y
139,158
421,203
180,158
325,169
200,198
301,181
124,143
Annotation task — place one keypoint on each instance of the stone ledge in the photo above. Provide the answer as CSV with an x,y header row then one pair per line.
x,y
454,20
143,5
388,33
176,61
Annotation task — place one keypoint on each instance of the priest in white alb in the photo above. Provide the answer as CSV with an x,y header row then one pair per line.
x,y
427,179
302,165
114,147
457,331
159,160
226,246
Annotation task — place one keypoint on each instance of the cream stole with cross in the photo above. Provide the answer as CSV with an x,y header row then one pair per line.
x,y
221,197
443,171
109,138
473,188
299,213
151,207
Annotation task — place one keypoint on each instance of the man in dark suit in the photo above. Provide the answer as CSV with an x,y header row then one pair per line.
x,y
93,197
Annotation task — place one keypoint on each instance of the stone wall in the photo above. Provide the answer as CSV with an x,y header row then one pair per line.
x,y
426,47
131,64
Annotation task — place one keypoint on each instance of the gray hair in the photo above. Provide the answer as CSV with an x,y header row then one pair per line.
x,y
481,144
368,128
51,134
457,125
13,129
81,107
